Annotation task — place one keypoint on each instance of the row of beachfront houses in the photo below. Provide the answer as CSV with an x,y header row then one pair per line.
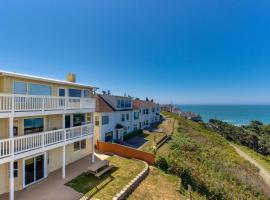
x,y
46,124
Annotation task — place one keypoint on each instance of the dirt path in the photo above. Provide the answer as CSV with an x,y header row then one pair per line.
x,y
263,172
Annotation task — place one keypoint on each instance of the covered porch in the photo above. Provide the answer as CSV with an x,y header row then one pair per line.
x,y
54,185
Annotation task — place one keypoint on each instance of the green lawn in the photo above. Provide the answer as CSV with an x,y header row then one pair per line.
x,y
263,160
112,183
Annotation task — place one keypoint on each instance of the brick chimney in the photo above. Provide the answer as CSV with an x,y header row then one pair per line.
x,y
71,77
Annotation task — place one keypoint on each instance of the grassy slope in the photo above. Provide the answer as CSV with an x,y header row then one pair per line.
x,y
210,165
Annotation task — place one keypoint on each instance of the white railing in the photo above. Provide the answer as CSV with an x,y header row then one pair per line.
x,y
41,140
19,103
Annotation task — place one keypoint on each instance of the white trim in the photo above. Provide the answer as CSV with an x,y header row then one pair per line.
x,y
44,167
37,78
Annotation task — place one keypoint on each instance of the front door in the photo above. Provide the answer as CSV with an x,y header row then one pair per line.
x,y
34,170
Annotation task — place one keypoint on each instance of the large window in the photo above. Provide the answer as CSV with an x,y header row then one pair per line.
x,y
31,88
127,104
78,119
36,89
105,120
19,87
74,93
80,145
33,125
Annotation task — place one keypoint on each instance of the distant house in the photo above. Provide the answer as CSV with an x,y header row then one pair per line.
x,y
191,116
166,108
117,116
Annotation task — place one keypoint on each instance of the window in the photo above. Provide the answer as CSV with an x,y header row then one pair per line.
x,y
123,118
108,137
74,93
19,87
105,120
146,122
33,125
88,117
122,103
83,144
136,115
146,111
135,127
118,103
78,119
127,104
15,169
96,120
127,117
86,93
36,89
62,92
79,145
153,109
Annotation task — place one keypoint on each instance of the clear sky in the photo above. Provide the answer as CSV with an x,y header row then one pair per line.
x,y
181,51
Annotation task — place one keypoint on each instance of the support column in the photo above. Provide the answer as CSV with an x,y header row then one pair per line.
x,y
11,180
64,162
64,149
11,163
93,149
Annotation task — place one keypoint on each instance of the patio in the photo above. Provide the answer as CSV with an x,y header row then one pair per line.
x,y
54,186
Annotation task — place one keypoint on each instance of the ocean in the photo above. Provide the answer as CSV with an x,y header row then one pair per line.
x,y
234,114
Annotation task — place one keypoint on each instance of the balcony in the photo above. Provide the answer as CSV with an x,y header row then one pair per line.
x,y
23,105
27,145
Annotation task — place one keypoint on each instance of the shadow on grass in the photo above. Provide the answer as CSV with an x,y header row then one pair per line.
x,y
89,185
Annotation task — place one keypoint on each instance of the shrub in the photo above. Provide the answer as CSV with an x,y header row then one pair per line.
x,y
161,163
132,134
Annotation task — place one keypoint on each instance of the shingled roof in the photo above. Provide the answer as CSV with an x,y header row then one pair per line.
x,y
137,104
102,105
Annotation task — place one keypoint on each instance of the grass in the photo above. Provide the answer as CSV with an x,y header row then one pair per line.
x,y
261,159
153,187
109,185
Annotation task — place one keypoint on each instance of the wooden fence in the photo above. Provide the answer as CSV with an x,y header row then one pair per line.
x,y
125,151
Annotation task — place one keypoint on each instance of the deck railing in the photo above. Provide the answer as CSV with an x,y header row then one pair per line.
x,y
20,103
41,140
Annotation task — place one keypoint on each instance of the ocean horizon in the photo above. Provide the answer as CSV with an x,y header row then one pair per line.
x,y
234,114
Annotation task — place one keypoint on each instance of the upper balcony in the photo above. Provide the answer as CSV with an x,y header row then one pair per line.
x,y
27,145
27,105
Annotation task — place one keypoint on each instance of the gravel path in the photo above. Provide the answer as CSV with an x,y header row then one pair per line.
x,y
263,172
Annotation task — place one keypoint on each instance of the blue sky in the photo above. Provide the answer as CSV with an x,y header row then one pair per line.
x,y
190,52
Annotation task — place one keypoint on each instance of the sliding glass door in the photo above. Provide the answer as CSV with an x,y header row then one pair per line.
x,y
34,169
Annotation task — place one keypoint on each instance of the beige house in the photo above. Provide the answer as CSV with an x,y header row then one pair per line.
x,y
45,124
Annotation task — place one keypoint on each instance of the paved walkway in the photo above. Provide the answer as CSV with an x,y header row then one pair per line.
x,y
263,172
53,187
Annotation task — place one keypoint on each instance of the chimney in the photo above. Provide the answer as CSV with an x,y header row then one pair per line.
x,y
71,77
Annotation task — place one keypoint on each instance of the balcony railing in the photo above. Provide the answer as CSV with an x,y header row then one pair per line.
x,y
21,103
42,140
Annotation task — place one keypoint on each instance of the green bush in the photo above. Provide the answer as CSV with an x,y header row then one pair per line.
x,y
132,134
161,163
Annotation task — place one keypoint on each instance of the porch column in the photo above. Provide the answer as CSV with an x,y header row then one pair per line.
x,y
64,162
11,163
64,149
93,149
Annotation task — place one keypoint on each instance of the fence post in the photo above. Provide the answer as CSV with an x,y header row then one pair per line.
x,y
189,191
